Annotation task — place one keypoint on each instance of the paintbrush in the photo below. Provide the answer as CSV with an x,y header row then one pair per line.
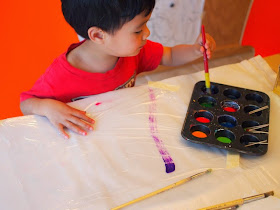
x,y
254,128
238,202
163,189
258,142
257,110
205,59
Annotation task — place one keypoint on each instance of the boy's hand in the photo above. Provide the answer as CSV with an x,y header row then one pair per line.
x,y
183,53
210,44
63,116
59,114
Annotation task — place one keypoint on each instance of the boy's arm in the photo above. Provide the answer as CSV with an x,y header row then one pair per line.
x,y
182,54
59,114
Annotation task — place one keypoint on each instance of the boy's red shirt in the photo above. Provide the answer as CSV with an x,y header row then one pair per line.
x,y
65,83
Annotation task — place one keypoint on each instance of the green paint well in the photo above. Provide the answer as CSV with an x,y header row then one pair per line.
x,y
224,139
207,104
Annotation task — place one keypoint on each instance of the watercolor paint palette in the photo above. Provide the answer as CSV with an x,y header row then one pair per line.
x,y
226,118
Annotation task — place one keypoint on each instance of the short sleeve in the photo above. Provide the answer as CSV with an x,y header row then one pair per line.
x,y
150,56
41,89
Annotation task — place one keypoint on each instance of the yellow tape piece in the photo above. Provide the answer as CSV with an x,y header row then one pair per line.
x,y
233,159
163,86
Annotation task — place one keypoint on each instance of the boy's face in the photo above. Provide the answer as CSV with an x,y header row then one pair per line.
x,y
129,40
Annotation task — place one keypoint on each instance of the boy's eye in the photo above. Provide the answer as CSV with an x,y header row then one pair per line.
x,y
138,32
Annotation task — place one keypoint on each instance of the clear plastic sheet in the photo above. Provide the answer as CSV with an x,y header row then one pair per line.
x,y
137,138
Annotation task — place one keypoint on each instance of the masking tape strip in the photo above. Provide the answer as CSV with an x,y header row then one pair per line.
x,y
277,83
163,86
233,159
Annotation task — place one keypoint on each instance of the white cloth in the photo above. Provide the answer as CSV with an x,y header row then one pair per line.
x,y
176,21
120,160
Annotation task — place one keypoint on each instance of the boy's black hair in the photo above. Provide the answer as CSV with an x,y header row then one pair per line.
x,y
109,15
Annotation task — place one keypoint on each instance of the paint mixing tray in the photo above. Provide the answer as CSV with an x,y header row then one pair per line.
x,y
224,118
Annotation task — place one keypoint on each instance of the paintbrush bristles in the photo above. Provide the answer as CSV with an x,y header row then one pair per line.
x,y
201,173
269,193
209,170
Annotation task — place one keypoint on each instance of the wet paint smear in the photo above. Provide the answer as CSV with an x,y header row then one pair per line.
x,y
98,103
202,119
169,164
199,134
224,139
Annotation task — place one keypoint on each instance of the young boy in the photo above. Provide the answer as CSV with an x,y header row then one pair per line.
x,y
114,51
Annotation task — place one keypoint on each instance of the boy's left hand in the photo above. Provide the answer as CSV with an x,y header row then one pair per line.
x,y
210,45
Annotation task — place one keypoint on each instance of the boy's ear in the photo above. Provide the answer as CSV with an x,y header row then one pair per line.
x,y
96,35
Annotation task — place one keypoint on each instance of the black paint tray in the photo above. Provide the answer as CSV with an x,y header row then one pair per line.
x,y
221,119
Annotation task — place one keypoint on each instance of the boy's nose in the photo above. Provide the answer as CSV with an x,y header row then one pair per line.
x,y
146,33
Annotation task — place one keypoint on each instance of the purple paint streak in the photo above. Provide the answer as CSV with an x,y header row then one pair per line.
x,y
169,164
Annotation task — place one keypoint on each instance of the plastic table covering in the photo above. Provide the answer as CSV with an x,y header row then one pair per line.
x,y
137,138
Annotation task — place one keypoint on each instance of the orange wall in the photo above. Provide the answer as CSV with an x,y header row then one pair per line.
x,y
263,28
32,35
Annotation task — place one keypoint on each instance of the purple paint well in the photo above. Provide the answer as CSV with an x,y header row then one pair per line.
x,y
169,164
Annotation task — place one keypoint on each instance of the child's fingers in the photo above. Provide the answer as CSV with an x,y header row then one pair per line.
x,y
62,132
82,120
209,54
82,115
86,118
202,49
210,43
81,123
207,46
74,127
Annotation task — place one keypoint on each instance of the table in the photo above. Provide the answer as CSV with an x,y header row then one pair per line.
x,y
137,130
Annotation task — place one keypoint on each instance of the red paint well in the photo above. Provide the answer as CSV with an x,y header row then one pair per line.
x,y
203,119
229,109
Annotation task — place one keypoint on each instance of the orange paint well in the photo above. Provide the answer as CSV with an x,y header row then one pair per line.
x,y
199,134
